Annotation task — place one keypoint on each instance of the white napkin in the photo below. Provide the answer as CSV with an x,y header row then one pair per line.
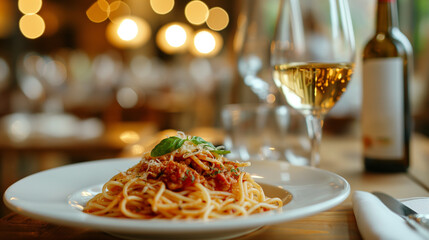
x,y
376,221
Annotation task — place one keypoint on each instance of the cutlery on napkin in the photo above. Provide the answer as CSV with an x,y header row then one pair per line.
x,y
376,221
418,221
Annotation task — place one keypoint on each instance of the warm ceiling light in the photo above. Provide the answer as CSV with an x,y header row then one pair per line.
x,y
29,6
128,29
174,37
206,43
32,26
162,6
128,32
96,12
196,12
218,19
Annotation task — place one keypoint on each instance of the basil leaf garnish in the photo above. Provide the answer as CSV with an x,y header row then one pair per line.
x,y
200,140
167,145
208,145
170,144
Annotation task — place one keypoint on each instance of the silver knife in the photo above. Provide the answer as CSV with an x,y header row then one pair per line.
x,y
420,222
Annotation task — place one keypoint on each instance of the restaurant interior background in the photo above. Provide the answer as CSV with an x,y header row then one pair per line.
x,y
86,79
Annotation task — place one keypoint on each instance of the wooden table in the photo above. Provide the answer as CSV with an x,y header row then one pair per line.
x,y
339,154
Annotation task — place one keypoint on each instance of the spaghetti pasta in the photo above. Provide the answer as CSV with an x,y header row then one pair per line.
x,y
192,181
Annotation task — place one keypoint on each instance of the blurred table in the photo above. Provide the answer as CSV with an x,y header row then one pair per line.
x,y
341,155
39,152
111,141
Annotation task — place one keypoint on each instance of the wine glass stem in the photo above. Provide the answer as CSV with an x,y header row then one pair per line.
x,y
314,129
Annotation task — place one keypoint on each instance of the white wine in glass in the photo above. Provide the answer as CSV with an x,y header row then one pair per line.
x,y
313,88
312,55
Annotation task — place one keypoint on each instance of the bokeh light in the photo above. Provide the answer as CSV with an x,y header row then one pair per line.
x,y
104,5
98,11
129,137
174,37
128,32
118,10
127,97
218,19
137,150
29,6
196,12
141,66
162,6
29,62
128,29
31,87
19,127
32,26
271,98
206,43
54,72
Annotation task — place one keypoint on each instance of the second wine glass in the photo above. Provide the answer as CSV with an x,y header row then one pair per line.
x,y
312,55
252,44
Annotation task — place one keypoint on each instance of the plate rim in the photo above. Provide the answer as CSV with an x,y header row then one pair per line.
x,y
154,226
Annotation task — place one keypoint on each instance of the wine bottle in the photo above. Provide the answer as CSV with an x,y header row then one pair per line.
x,y
386,114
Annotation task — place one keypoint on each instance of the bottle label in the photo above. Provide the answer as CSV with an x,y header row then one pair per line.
x,y
383,108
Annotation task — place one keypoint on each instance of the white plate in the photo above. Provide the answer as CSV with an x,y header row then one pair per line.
x,y
57,196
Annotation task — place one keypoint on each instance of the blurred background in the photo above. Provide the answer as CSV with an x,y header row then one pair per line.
x,y
89,79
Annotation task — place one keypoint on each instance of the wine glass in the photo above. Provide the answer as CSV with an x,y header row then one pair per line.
x,y
312,55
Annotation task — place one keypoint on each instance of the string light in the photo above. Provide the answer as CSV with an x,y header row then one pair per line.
x,y
196,12
174,37
162,6
128,32
98,12
218,19
127,29
206,43
31,26
29,6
